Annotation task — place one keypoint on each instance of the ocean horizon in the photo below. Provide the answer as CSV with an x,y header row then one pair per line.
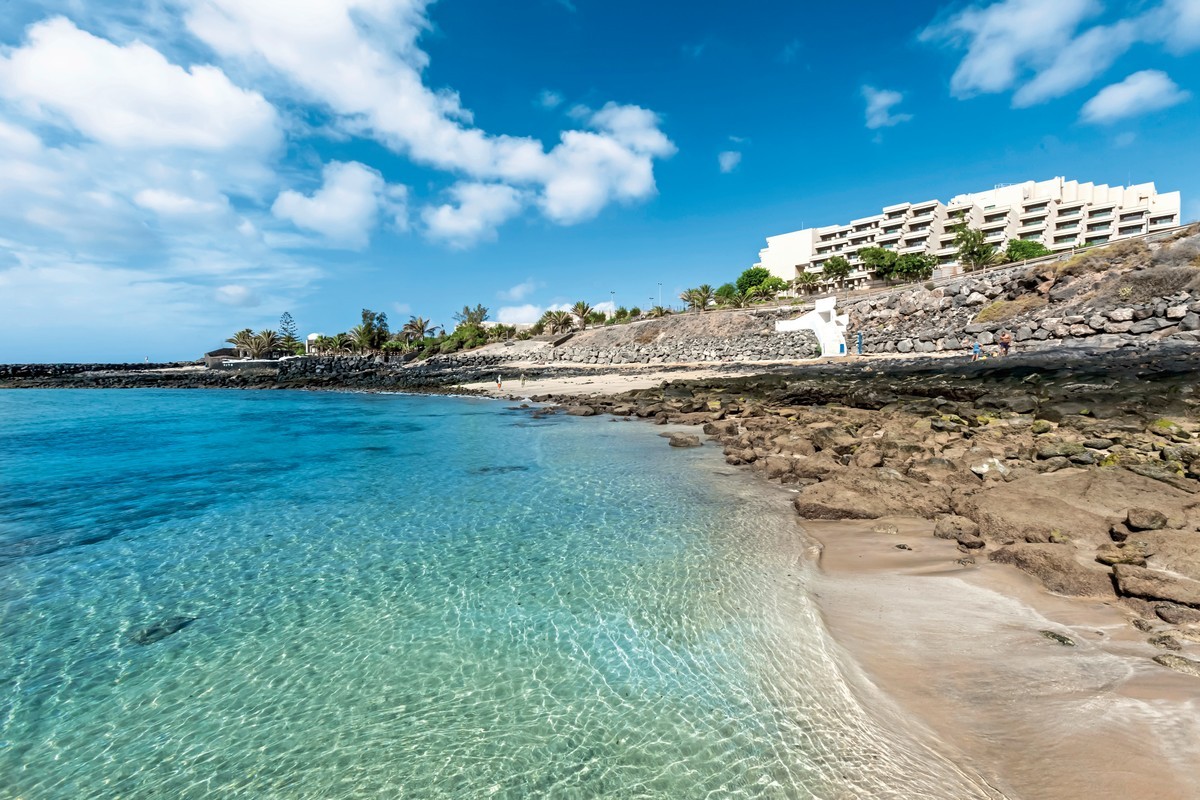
x,y
318,594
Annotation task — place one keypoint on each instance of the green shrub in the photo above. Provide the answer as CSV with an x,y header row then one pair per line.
x,y
1007,309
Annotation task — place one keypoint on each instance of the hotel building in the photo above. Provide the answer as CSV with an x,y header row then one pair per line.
x,y
1060,214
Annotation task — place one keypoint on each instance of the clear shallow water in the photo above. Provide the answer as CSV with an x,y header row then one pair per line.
x,y
408,597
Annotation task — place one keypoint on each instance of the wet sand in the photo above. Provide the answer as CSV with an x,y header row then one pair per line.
x,y
960,649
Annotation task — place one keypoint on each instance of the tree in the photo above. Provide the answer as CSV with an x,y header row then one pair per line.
x,y
751,278
559,321
416,328
974,252
242,341
836,269
879,260
914,266
287,329
474,317
582,310
263,343
659,311
1021,249
361,336
724,292
635,312
698,299
373,331
806,282
340,343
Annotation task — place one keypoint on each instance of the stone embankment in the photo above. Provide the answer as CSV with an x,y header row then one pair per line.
x,y
1080,468
53,371
1116,296
740,336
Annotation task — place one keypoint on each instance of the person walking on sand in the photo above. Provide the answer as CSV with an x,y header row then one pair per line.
x,y
522,380
1005,343
499,386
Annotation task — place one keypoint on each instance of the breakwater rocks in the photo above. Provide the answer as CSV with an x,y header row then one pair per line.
x,y
1082,469
52,371
1117,296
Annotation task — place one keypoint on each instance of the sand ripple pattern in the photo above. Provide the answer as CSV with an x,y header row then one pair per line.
x,y
411,597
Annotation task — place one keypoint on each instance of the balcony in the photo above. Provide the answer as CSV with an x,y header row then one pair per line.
x,y
1094,240
1102,227
1159,222
1137,217
1033,210
1130,230
999,223
888,236
912,248
1034,223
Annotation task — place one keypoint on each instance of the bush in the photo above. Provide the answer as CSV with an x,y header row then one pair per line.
x,y
1145,285
1002,310
751,278
1020,249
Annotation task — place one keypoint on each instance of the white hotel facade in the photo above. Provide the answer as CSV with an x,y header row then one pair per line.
x,y
1060,214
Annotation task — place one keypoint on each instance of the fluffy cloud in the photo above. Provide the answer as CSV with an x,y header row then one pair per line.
x,y
360,59
549,99
1140,93
727,160
173,204
879,107
1004,39
477,210
1034,45
520,291
519,315
344,210
131,96
235,295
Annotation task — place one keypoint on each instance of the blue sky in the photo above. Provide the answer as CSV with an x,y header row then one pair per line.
x,y
174,170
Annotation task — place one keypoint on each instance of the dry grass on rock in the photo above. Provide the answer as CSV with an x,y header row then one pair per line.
x,y
1002,310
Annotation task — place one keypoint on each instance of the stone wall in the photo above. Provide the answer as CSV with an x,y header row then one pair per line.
x,y
54,370
1039,309
751,347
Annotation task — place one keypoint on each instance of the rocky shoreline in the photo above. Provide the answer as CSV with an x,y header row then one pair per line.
x,y
1079,468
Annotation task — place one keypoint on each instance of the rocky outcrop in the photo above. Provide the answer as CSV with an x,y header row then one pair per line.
x,y
1056,567
751,347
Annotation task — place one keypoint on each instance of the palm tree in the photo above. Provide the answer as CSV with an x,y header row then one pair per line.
x,y
558,321
341,343
735,300
698,299
416,328
659,311
806,282
264,343
362,336
582,311
242,341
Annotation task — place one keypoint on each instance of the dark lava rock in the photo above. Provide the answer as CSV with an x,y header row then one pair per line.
x,y
1065,641
1178,663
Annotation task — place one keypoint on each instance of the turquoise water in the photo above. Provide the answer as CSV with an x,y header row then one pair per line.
x,y
403,596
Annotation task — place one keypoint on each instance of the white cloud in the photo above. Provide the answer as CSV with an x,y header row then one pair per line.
x,y
519,315
359,58
131,96
344,210
520,291
1140,93
549,99
789,52
879,107
727,160
1034,45
173,204
1078,62
1006,38
235,295
478,209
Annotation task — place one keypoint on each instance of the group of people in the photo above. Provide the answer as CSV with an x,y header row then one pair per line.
x,y
1004,341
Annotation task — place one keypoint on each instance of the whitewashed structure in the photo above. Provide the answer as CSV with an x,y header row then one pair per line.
x,y
825,322
1060,214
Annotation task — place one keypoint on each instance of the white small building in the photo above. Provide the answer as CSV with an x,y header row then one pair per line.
x,y
1060,214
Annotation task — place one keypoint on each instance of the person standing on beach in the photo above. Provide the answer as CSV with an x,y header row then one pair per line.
x,y
1005,343
976,350
499,386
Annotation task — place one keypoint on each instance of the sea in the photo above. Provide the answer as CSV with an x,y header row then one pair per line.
x,y
239,594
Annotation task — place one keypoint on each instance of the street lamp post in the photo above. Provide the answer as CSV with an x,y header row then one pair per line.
x,y
660,293
612,296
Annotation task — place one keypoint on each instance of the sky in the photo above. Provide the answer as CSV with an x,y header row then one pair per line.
x,y
172,171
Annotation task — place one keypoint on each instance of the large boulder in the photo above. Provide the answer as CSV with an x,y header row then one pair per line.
x,y
952,526
1057,568
1176,551
1145,519
1157,585
869,494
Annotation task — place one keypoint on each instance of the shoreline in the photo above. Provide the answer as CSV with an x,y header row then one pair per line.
x,y
963,648
958,646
